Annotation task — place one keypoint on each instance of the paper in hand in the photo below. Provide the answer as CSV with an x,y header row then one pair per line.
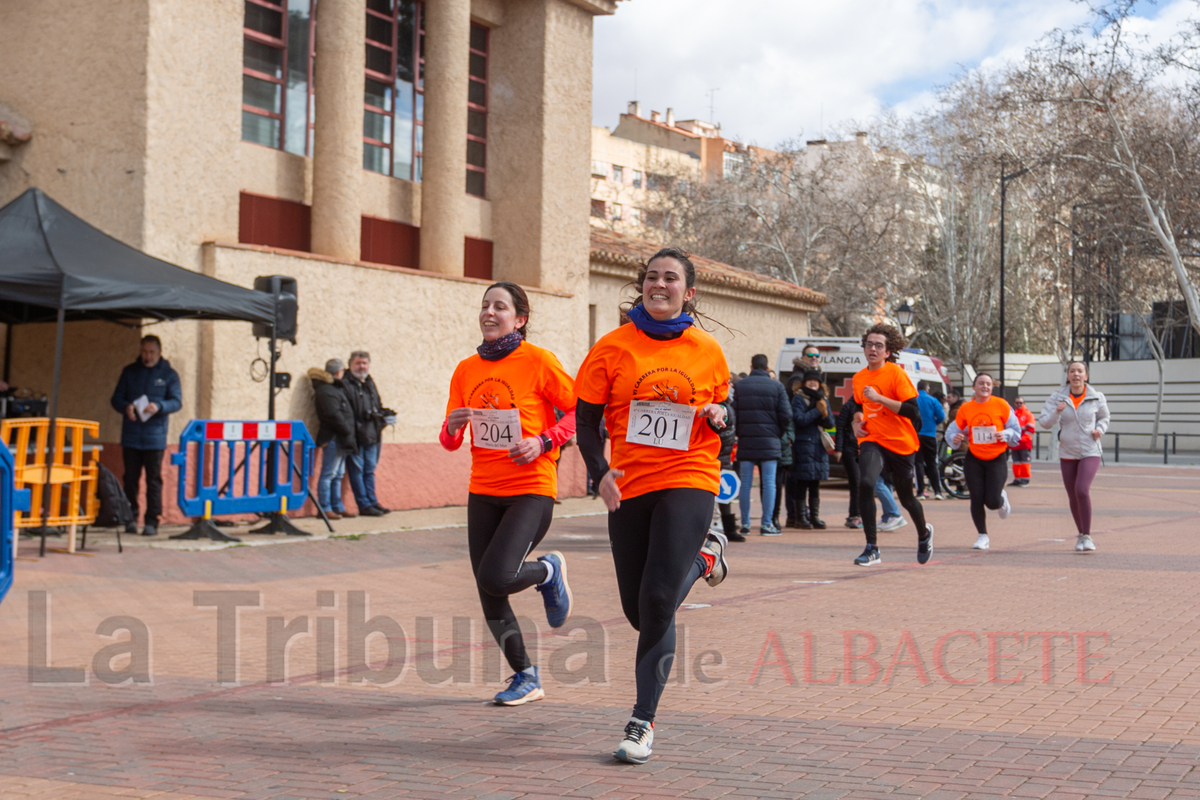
x,y
139,406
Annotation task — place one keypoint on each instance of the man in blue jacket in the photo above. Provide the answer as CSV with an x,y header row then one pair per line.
x,y
146,393
932,415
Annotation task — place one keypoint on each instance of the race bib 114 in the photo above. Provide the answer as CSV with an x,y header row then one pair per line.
x,y
657,424
495,428
983,434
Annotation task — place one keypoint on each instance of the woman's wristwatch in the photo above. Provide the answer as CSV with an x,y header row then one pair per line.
x,y
547,444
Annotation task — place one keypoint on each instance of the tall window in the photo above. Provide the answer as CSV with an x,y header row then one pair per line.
x,y
393,102
277,74
477,112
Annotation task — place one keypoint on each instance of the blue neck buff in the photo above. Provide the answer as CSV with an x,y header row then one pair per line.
x,y
648,324
499,348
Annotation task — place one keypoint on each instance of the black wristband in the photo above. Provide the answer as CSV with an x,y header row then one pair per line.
x,y
547,444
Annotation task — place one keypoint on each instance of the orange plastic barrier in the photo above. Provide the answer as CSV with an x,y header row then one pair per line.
x,y
73,474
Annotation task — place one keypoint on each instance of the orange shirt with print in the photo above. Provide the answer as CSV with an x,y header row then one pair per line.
x,y
531,380
627,365
882,425
992,413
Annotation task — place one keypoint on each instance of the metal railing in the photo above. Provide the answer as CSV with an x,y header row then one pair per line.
x,y
1170,444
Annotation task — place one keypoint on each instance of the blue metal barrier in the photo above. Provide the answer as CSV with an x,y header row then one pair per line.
x,y
11,500
241,467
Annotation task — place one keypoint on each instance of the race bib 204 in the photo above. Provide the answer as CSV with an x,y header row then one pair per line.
x,y
495,428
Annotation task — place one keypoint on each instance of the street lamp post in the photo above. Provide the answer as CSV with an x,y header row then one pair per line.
x,y
1004,179
904,315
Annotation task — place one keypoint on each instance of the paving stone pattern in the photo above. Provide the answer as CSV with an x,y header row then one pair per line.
x,y
1025,671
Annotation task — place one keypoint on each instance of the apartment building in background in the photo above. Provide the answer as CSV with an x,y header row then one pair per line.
x,y
637,164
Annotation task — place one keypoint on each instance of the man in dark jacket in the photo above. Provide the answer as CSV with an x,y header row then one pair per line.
x,y
147,392
728,436
763,414
335,436
368,428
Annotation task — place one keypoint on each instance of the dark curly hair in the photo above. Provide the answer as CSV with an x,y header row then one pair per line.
x,y
895,339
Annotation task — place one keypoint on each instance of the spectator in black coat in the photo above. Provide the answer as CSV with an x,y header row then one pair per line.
x,y
152,381
369,415
810,412
335,435
762,418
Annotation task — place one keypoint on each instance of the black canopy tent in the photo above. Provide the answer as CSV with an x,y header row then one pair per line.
x,y
56,267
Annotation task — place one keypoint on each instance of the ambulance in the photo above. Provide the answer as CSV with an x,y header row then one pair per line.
x,y
842,356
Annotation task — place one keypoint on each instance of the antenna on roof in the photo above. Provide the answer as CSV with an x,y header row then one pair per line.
x,y
712,96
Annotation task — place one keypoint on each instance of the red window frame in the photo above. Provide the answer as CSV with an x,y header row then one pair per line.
x,y
279,44
480,109
282,44
390,81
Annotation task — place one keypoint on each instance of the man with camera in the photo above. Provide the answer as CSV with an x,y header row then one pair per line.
x,y
369,419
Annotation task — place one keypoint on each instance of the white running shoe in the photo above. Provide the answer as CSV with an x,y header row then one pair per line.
x,y
982,543
635,747
1085,543
893,524
1005,509
1079,542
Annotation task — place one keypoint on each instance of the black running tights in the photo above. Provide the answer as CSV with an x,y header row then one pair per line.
x,y
656,540
985,481
501,532
871,460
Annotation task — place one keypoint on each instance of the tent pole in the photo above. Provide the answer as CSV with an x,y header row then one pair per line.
x,y
8,334
58,347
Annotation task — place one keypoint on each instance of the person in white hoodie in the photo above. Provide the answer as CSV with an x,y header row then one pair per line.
x,y
1082,416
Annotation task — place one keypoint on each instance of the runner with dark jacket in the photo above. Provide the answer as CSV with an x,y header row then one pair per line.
x,y
846,451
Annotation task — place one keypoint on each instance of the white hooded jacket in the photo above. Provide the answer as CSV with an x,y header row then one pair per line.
x,y
1075,425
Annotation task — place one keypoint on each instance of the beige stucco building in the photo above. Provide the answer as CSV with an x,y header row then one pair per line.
x,y
394,176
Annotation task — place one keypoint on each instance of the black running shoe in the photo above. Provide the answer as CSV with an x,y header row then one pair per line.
x,y
925,545
869,558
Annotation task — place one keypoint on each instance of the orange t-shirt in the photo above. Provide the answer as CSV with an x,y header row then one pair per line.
x,y
627,365
992,413
884,426
1075,401
532,380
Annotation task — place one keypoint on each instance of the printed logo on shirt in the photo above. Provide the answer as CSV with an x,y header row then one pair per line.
x,y
490,393
664,385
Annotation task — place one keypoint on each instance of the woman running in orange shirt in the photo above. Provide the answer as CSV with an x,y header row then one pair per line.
x,y
659,382
990,425
507,393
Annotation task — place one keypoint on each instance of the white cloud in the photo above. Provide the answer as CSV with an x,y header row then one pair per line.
x,y
793,68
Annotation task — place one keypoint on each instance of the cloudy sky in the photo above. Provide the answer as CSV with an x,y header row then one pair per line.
x,y
795,69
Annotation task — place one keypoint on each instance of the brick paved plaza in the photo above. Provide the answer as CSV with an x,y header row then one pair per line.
x,y
1026,671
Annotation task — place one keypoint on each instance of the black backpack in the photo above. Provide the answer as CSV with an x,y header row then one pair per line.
x,y
115,511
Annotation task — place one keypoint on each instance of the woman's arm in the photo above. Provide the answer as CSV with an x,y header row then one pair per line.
x,y
588,417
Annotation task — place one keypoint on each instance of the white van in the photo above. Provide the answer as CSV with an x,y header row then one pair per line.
x,y
842,356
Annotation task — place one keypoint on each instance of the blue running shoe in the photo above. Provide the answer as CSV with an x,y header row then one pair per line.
x,y
523,687
556,594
